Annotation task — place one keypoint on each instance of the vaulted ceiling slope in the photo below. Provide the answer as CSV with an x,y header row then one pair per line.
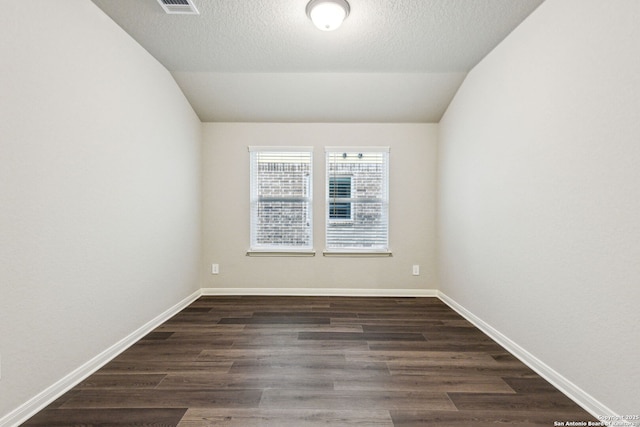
x,y
264,61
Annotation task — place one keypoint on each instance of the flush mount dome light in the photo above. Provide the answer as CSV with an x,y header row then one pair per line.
x,y
328,15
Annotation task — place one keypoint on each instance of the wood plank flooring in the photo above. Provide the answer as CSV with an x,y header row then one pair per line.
x,y
313,361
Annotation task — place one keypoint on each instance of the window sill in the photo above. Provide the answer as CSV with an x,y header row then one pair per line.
x,y
358,254
254,253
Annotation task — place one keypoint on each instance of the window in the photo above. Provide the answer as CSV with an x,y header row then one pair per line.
x,y
357,199
281,202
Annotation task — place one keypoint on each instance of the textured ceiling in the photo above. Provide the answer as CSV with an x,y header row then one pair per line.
x,y
263,60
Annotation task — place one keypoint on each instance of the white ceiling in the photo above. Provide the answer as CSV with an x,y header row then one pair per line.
x,y
264,61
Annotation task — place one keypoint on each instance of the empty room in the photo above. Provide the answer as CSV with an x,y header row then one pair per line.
x,y
325,212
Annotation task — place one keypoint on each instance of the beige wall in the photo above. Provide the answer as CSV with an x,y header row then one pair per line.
x,y
412,208
539,207
99,192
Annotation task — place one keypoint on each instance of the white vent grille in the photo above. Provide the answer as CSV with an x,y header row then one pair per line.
x,y
185,7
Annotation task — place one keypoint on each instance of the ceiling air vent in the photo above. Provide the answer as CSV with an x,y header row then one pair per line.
x,y
179,7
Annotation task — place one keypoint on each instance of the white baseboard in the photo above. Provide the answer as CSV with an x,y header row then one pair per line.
x,y
321,292
40,401
47,396
572,391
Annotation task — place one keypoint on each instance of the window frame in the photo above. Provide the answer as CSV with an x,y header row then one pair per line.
x,y
368,247
276,249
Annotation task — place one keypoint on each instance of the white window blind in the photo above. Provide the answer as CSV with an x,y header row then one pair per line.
x,y
281,199
357,204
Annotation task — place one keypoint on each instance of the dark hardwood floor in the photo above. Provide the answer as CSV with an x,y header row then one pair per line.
x,y
311,361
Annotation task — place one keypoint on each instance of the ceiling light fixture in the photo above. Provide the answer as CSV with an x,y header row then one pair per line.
x,y
328,15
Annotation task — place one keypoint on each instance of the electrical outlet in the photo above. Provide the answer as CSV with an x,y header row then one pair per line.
x,y
416,270
215,268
